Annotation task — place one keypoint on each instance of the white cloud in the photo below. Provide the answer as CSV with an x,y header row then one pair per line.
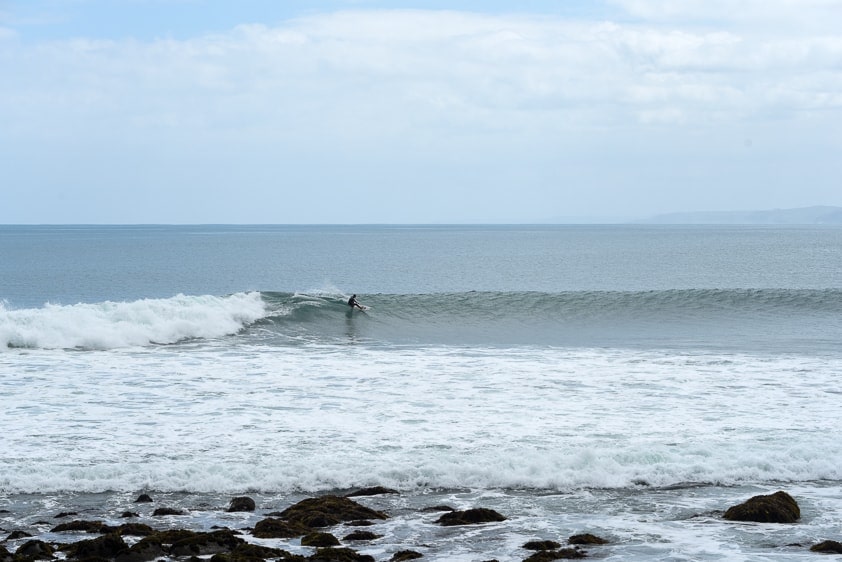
x,y
428,68
757,16
441,94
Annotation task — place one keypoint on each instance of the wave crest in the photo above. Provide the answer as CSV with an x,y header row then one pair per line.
x,y
109,325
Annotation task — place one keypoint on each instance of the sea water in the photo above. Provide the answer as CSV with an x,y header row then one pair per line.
x,y
628,381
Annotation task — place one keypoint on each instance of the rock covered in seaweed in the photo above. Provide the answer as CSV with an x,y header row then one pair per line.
x,y
339,555
404,555
470,517
327,511
272,528
828,547
542,545
107,546
373,491
585,539
34,550
319,540
561,554
240,504
779,507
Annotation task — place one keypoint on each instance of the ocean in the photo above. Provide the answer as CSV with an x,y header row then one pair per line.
x,y
627,381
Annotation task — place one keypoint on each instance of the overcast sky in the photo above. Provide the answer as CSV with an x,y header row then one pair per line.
x,y
356,111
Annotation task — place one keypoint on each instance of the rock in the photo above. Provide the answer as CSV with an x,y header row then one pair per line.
x,y
470,517
129,514
373,491
562,554
403,555
143,551
14,535
166,511
319,540
134,530
277,529
359,523
254,553
542,545
143,498
202,544
438,508
362,536
171,536
65,514
5,555
829,547
339,555
779,507
586,538
34,549
327,511
79,525
242,503
106,546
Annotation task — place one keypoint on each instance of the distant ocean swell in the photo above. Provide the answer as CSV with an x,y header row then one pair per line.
x,y
576,318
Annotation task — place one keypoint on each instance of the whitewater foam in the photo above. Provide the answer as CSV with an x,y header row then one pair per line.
x,y
343,416
109,325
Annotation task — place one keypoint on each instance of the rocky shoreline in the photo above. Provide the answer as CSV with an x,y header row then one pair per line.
x,y
314,524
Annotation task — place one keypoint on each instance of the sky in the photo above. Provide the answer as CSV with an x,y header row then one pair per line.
x,y
376,111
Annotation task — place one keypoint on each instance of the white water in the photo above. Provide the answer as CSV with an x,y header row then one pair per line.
x,y
109,325
219,417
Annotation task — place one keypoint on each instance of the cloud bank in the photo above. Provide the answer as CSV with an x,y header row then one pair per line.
x,y
421,116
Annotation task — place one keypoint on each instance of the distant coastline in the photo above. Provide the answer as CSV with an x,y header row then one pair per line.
x,y
803,215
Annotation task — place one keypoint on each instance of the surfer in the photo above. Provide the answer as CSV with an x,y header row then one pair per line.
x,y
352,302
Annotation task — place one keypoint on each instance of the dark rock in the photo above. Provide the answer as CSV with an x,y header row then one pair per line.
x,y
143,551
5,555
241,503
470,517
254,553
166,511
14,535
202,544
339,555
79,525
65,514
328,510
373,491
277,529
586,538
361,536
562,554
34,549
128,514
134,530
829,547
779,507
438,508
143,498
403,555
542,545
359,523
171,536
319,540
106,546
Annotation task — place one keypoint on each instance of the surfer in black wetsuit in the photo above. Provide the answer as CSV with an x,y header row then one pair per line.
x,y
352,302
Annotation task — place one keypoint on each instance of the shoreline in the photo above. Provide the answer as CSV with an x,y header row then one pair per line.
x,y
409,525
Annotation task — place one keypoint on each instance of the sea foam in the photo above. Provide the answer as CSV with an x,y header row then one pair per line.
x,y
109,325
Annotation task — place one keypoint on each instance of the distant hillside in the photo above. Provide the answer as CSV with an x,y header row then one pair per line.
x,y
804,215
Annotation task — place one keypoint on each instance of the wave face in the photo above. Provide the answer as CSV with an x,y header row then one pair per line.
x,y
745,320
740,318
